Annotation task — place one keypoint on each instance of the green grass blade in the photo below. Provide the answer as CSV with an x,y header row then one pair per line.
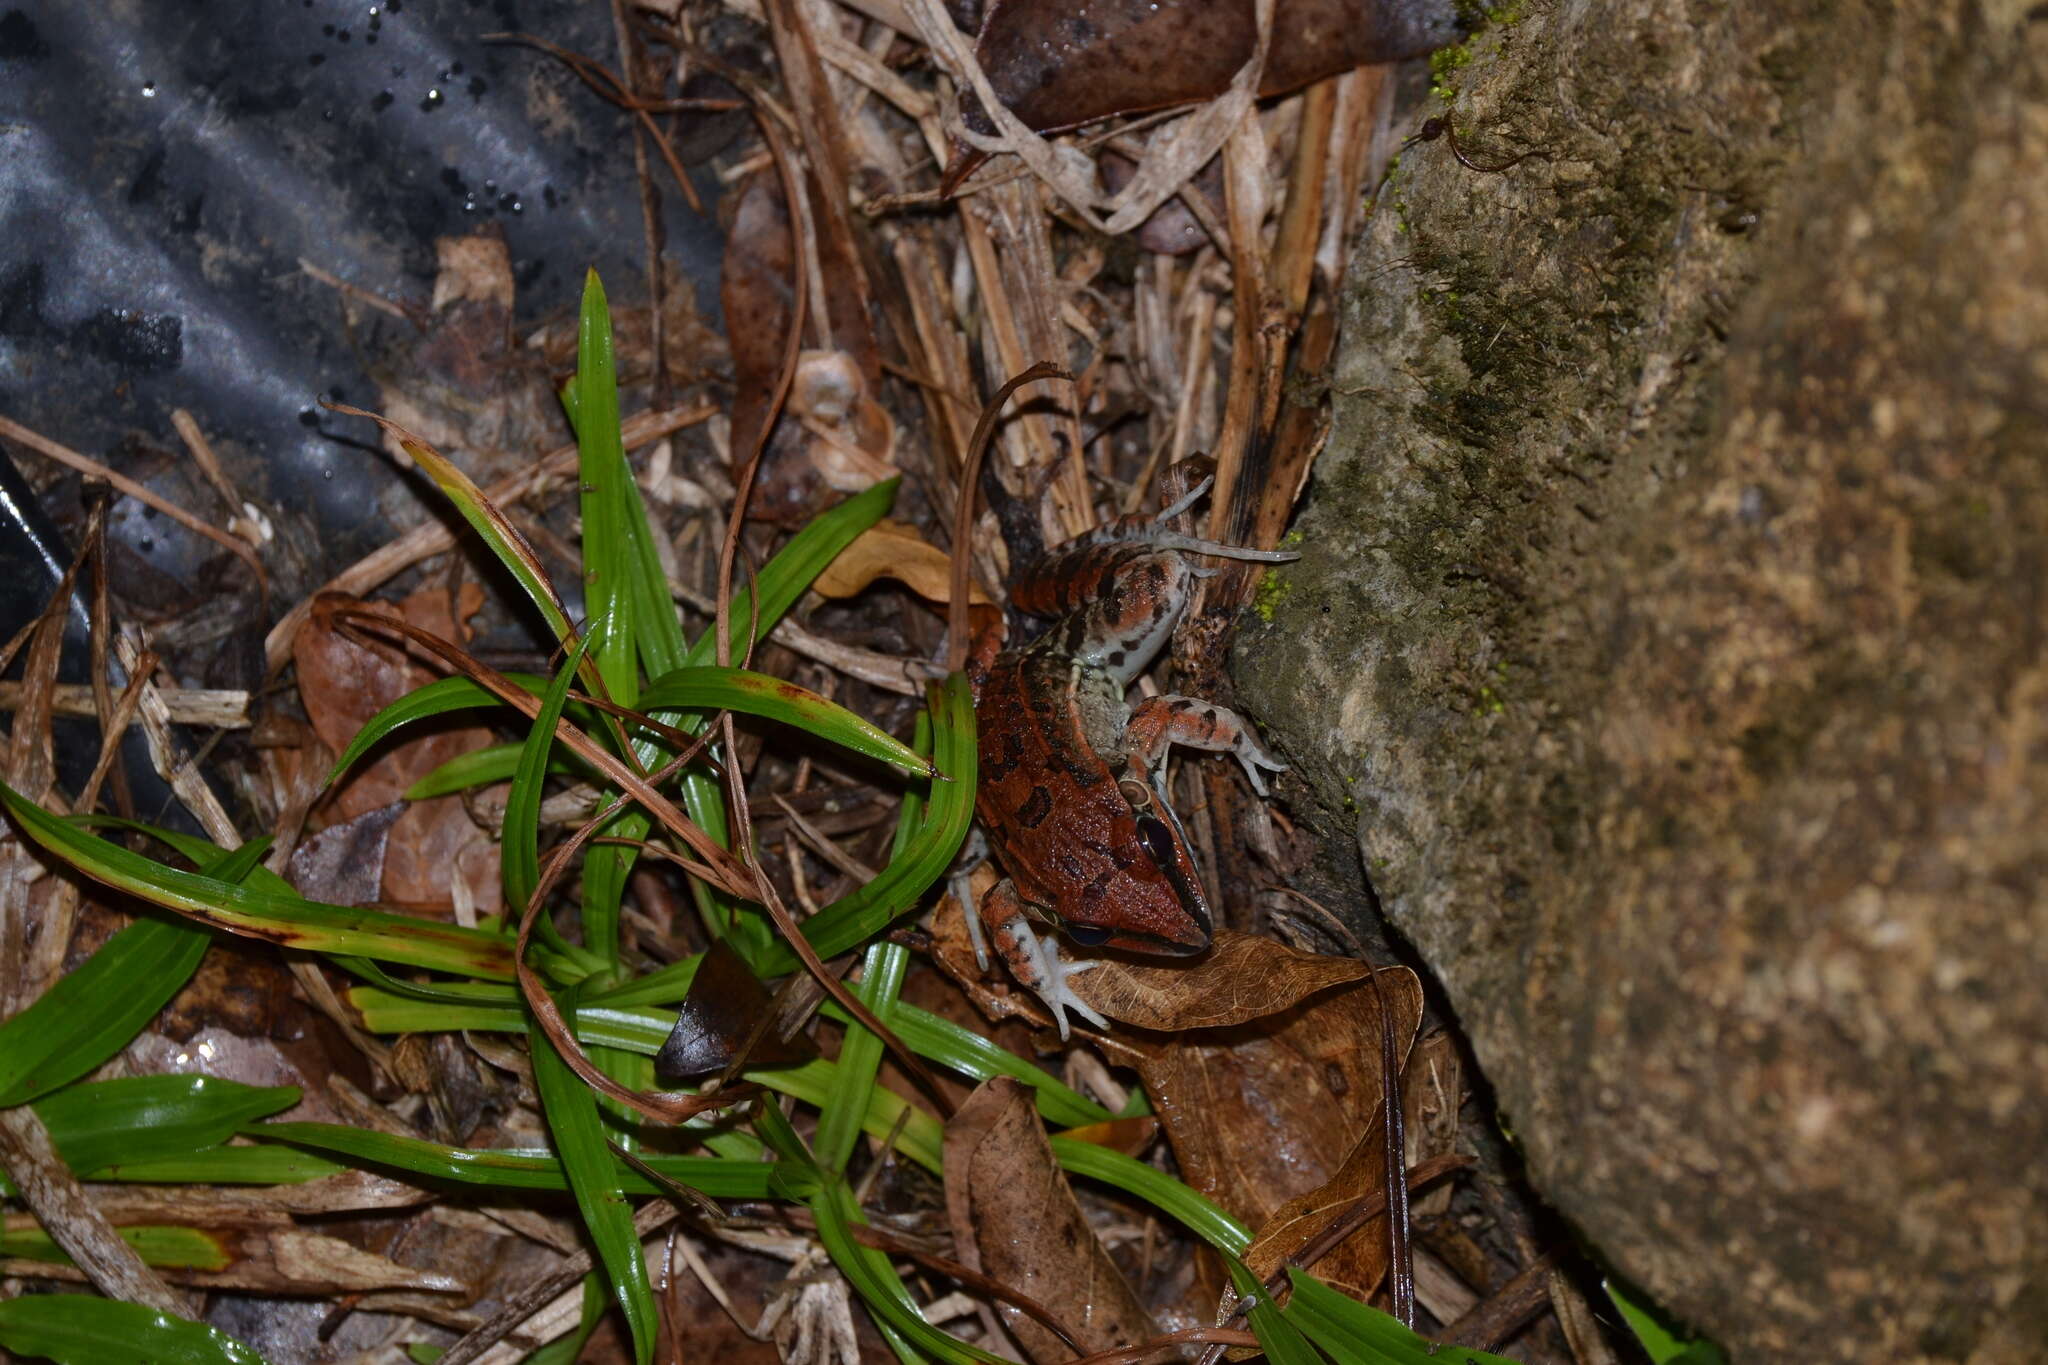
x,y
141,1118
923,859
1663,1345
874,1278
758,694
1278,1336
860,1056
529,1169
781,581
663,986
785,576
1157,1188
498,534
90,1014
594,1178
1357,1335
180,1248
288,920
520,838
256,1165
961,1049
492,763
611,508
81,1329
438,698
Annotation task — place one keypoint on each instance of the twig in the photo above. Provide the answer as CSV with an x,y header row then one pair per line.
x,y
71,459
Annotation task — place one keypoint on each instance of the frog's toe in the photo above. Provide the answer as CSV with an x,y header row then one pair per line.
x,y
1059,997
1252,758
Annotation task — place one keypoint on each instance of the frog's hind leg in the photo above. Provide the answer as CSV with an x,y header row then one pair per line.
x,y
1158,723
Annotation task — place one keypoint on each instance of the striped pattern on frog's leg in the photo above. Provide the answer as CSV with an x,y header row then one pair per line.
x,y
1158,723
1034,960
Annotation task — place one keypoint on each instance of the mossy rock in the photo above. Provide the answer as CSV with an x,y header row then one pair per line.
x,y
1671,639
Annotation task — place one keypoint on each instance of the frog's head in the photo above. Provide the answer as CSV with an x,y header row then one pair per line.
x,y
1153,900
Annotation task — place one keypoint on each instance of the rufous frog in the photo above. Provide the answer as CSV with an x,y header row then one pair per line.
x,y
1072,777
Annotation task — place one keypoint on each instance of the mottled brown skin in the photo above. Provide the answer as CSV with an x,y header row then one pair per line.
x,y
1072,818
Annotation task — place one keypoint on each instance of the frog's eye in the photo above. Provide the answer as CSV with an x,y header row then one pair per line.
x,y
1088,935
1158,839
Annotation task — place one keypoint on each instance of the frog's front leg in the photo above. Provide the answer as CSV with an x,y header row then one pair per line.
x,y
1158,723
1034,959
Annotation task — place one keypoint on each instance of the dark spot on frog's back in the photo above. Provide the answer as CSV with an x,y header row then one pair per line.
x,y
1036,807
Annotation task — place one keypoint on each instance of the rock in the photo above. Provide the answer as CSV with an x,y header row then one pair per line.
x,y
1671,630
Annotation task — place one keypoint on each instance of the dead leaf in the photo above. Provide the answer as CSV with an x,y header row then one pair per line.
x,y
1356,1264
721,1012
1266,1112
1241,978
891,549
476,268
1014,1218
263,1250
344,864
344,680
1130,1136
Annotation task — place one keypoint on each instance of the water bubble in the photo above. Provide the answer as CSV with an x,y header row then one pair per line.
x,y
432,101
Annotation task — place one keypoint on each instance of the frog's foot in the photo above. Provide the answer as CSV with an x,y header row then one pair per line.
x,y
960,881
1034,959
1158,723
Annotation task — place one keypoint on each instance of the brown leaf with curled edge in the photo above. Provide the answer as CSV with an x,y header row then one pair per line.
x,y
1015,1219
891,549
721,1012
1266,1112
1058,64
1241,978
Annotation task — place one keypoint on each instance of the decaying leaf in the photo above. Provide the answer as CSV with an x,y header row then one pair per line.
x,y
344,864
249,1249
1241,978
1265,1112
345,678
890,549
1014,1219
722,1013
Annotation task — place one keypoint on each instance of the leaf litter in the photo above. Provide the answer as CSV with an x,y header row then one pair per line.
x,y
919,203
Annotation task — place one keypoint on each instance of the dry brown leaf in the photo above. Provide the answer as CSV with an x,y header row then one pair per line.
x,y
265,1252
344,864
1130,1136
891,549
344,679
1014,1218
1241,978
1265,1112
1356,1264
